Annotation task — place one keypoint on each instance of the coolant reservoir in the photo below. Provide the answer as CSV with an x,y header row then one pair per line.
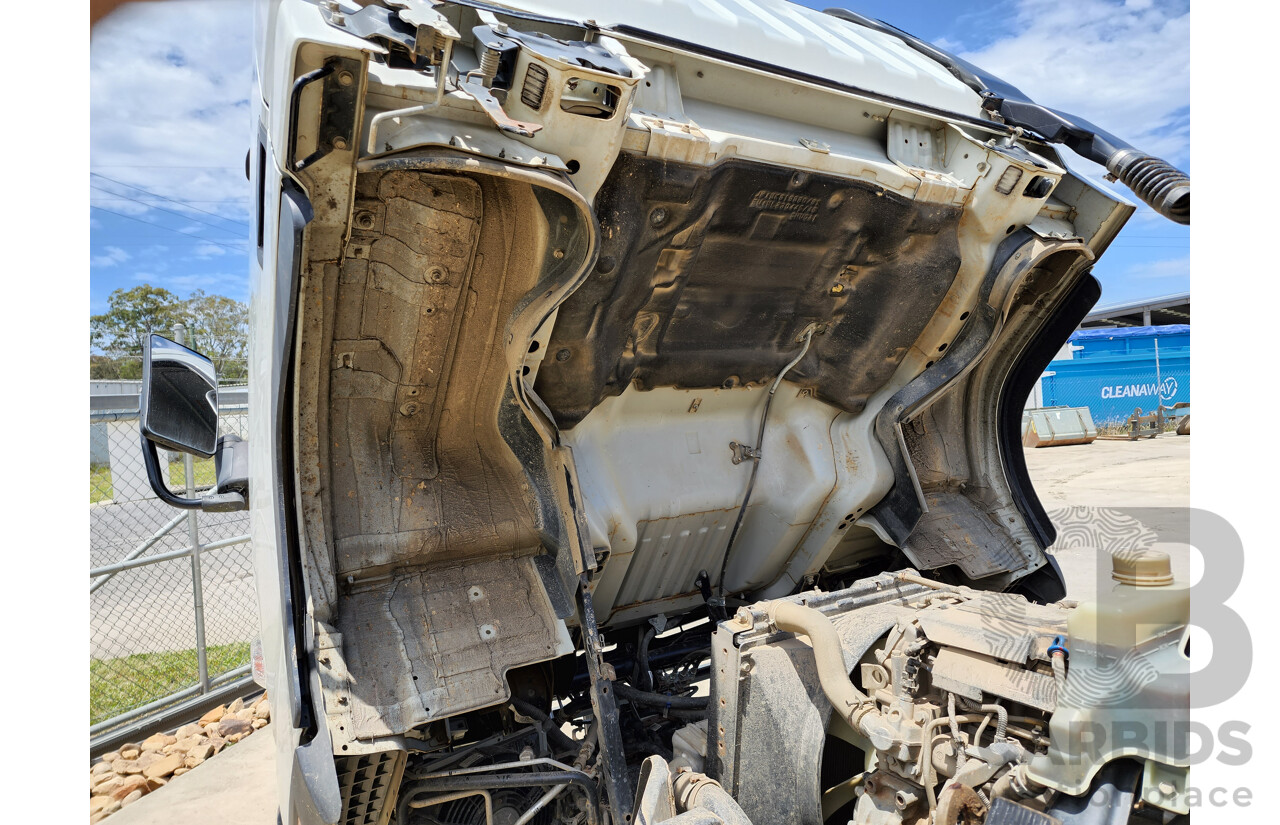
x,y
1144,601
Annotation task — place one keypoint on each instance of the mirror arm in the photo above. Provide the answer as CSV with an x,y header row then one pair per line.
x,y
218,503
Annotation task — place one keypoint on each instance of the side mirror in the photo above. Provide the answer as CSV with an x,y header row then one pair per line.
x,y
179,411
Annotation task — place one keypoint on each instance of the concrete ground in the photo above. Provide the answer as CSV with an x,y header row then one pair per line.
x,y
1101,496
1114,495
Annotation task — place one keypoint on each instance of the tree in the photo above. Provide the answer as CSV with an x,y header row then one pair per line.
x,y
104,368
218,327
121,331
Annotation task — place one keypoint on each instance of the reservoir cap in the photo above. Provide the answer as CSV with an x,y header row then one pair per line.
x,y
1142,568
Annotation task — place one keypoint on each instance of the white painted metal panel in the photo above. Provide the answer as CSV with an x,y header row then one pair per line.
x,y
786,35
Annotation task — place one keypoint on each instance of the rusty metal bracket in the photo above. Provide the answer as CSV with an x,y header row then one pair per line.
x,y
741,453
494,110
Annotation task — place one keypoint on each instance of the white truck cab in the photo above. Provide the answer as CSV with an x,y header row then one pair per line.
x,y
635,404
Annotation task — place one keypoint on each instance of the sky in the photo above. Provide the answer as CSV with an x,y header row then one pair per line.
x,y
170,124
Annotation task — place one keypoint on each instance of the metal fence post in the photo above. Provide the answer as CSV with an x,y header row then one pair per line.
x,y
193,533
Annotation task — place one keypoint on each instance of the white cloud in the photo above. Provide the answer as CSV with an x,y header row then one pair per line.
x,y
1162,269
112,255
170,85
209,250
1124,67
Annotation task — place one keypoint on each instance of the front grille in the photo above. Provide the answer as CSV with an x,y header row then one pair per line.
x,y
368,782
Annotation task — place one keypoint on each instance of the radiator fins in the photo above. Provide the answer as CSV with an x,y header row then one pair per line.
x,y
368,782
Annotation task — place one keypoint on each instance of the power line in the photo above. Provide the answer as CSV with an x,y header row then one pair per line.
x,y
236,201
163,198
169,212
155,241
167,229
155,166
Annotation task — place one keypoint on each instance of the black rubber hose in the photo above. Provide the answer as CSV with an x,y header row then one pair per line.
x,y
660,700
1160,185
645,673
558,738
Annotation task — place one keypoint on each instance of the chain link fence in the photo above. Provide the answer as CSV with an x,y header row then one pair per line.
x,y
1114,390
171,595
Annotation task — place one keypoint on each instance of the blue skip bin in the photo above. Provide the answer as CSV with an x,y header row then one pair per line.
x,y
1114,372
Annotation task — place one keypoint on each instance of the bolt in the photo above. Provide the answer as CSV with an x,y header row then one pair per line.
x,y
436,274
1167,788
409,408
658,217
557,254
346,78
364,220
339,143
563,355
342,700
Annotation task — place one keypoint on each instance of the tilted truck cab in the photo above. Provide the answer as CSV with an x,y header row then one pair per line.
x,y
602,351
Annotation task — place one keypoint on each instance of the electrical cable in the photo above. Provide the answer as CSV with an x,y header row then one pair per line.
x,y
756,455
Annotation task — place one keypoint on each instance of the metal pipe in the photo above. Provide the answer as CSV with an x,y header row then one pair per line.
x,y
501,766
408,802
193,535
442,80
540,804
927,773
1002,719
473,781
904,576
162,557
140,549
143,710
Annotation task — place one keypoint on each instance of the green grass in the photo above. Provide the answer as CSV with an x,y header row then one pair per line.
x,y
100,487
205,473
118,685
99,483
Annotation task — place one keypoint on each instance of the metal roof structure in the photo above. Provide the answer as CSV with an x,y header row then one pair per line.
x,y
1146,312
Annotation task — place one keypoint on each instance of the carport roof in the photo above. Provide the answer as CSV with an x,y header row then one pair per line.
x,y
1168,309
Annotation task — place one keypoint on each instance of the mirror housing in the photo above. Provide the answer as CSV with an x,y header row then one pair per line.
x,y
178,410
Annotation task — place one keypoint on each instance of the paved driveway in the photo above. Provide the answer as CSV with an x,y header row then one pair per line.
x,y
151,609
